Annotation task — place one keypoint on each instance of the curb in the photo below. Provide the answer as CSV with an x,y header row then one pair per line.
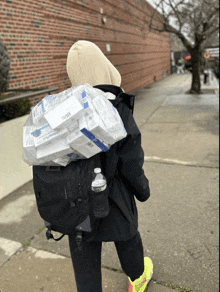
x,y
19,261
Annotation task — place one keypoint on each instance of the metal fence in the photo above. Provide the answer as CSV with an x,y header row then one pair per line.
x,y
28,94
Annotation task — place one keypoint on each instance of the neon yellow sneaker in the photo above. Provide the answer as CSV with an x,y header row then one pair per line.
x,y
141,283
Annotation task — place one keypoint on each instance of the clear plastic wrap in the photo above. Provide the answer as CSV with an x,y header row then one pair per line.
x,y
76,123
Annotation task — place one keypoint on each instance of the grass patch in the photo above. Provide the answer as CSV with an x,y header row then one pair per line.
x,y
41,229
27,243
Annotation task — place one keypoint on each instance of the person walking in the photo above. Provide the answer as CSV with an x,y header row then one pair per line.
x,y
206,72
180,67
122,165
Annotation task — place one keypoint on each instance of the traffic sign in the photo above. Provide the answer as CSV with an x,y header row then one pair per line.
x,y
206,54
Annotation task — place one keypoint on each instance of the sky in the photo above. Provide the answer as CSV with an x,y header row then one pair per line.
x,y
151,2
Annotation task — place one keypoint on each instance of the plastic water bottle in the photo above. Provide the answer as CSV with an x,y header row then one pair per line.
x,y
100,196
99,184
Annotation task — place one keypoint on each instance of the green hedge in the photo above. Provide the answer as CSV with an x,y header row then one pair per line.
x,y
14,109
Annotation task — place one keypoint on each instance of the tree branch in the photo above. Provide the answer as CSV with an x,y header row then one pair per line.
x,y
176,13
195,19
153,14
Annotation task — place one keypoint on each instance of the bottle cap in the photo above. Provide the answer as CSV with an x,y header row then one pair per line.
x,y
97,170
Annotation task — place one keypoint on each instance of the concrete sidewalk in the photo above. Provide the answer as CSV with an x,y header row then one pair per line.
x,y
14,171
178,224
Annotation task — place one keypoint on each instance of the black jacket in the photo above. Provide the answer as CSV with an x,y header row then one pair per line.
x,y
122,167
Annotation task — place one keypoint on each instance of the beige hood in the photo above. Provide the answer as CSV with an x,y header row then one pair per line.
x,y
87,64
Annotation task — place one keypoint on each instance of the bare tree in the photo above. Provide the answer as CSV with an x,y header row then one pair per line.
x,y
194,22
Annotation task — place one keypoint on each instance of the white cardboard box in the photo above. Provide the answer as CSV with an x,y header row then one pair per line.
x,y
97,127
110,117
45,134
82,144
60,115
29,151
53,150
46,104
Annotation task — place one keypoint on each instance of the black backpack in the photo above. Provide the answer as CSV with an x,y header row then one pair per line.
x,y
65,200
63,194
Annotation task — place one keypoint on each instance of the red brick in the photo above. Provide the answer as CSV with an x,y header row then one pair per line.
x,y
50,29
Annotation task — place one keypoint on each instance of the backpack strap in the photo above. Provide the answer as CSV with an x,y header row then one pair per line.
x,y
79,239
49,234
127,99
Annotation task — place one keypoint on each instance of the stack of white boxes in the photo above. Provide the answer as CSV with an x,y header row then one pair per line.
x,y
74,124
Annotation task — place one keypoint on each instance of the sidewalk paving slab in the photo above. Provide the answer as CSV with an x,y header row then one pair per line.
x,y
32,270
14,172
178,225
7,249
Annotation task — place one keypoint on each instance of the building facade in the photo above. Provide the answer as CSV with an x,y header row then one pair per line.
x,y
39,34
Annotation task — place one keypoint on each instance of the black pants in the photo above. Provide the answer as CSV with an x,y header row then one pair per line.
x,y
205,78
87,262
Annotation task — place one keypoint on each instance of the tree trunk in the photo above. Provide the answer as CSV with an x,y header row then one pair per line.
x,y
196,84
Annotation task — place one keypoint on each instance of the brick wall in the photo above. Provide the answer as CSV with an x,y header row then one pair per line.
x,y
39,34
